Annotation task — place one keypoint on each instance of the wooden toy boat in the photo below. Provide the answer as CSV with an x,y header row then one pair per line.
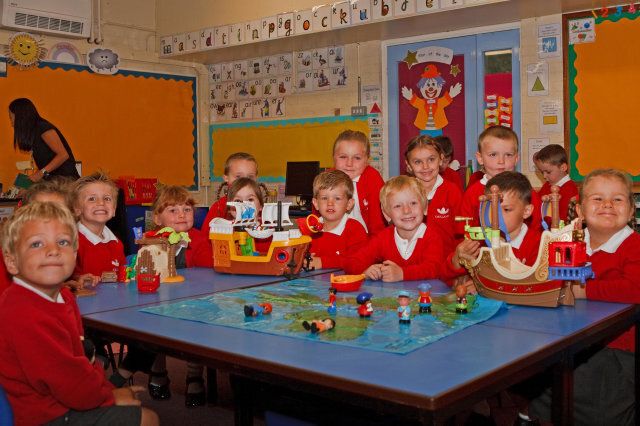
x,y
346,283
234,252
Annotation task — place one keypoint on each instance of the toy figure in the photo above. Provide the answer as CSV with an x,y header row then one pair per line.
x,y
332,300
364,300
404,310
461,299
424,301
257,310
318,326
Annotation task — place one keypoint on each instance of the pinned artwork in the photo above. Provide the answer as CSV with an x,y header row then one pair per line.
x,y
322,18
304,21
206,39
404,7
304,60
103,61
65,52
24,50
192,41
286,25
166,45
341,14
236,34
427,6
252,31
269,27
381,9
335,55
360,11
320,58
178,43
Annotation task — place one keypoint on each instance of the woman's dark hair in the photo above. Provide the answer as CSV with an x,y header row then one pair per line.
x,y
25,125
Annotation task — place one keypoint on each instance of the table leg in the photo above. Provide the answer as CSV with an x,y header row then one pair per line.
x,y
562,392
212,385
242,401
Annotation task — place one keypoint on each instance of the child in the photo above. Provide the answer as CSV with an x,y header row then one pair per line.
x,y
603,384
424,159
94,203
351,152
237,165
246,189
408,250
446,171
497,152
552,163
39,245
341,235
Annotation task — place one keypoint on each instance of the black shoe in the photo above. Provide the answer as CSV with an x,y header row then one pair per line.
x,y
248,311
523,422
195,399
306,325
159,392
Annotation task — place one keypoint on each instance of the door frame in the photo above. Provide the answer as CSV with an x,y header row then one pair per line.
x,y
385,44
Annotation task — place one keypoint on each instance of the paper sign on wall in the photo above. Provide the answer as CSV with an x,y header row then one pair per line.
x,y
535,145
551,117
538,79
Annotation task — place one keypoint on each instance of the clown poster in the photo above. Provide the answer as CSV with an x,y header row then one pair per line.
x,y
431,91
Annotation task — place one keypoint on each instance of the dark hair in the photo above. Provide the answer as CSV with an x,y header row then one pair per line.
x,y
25,125
446,145
552,154
240,183
422,141
511,181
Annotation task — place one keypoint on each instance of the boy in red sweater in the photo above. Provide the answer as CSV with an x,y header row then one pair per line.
x,y
94,203
340,235
603,379
237,165
551,162
446,170
39,244
351,152
408,250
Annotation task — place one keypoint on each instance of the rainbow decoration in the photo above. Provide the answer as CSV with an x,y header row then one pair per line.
x,y
65,52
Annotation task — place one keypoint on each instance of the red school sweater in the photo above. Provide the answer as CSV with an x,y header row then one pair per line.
x,y
332,248
567,192
369,186
442,210
199,251
452,176
527,253
425,262
217,209
617,281
43,368
97,258
5,277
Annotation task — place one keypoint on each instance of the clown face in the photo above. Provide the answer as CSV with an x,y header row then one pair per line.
x,y
431,89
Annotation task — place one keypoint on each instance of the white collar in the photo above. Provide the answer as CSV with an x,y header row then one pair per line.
x,y
338,230
406,247
517,241
612,243
95,239
484,179
562,181
42,294
356,179
439,181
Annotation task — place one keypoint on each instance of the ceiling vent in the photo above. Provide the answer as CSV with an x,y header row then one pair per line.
x,y
70,18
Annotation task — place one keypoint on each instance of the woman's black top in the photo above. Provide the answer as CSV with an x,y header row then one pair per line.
x,y
42,154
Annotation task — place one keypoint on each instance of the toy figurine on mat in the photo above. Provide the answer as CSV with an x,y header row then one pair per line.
x,y
332,300
424,301
319,326
404,310
461,299
366,308
257,310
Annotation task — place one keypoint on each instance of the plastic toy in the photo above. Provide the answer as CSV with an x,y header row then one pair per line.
x,y
347,283
157,253
234,251
309,225
257,310
332,300
148,283
498,274
461,299
366,308
424,299
319,326
404,310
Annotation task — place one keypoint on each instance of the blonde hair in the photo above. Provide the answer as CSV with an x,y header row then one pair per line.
x,y
402,183
59,185
238,156
353,135
612,174
170,195
97,177
499,132
331,179
40,212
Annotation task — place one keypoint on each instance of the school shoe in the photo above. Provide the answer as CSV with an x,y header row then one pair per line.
x,y
525,422
159,392
195,399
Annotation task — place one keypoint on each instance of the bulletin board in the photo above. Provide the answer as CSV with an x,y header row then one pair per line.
x,y
275,142
129,124
601,93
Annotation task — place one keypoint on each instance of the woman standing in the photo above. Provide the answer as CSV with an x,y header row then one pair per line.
x,y
48,147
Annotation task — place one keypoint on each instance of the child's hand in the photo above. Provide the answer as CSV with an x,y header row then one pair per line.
x,y
374,272
467,249
391,272
579,291
83,281
467,282
127,396
316,262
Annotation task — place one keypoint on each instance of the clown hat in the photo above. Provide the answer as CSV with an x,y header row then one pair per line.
x,y
430,71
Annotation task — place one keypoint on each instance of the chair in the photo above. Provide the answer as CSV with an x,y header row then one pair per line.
x,y
6,413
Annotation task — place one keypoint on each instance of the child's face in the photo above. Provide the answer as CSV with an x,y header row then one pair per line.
x,y
44,256
177,216
96,204
50,197
246,194
350,157
424,162
405,211
333,203
605,206
514,212
497,156
241,168
550,172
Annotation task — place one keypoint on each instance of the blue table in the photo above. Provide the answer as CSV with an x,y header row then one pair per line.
x,y
431,383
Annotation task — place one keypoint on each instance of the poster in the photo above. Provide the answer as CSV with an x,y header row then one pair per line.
x,y
549,41
535,145
538,79
551,117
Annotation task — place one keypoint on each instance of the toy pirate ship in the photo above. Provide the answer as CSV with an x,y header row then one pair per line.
x,y
561,259
234,251
157,254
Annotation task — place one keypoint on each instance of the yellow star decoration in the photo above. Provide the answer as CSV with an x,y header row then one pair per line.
x,y
455,70
411,58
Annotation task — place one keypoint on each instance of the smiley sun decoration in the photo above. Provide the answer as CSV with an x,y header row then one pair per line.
x,y
25,50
